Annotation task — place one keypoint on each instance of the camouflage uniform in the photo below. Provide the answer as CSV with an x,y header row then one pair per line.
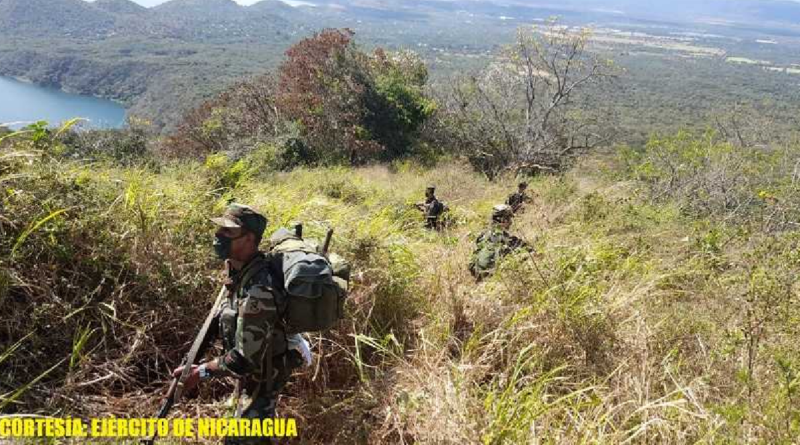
x,y
431,208
517,200
493,244
248,322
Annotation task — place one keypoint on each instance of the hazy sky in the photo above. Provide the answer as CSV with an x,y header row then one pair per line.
x,y
156,2
242,2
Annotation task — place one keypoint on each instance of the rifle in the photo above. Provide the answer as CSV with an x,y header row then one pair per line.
x,y
176,387
327,244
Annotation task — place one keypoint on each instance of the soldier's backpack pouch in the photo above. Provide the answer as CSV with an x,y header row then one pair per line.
x,y
486,258
316,287
314,298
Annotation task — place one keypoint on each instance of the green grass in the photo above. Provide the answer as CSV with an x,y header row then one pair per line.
x,y
634,321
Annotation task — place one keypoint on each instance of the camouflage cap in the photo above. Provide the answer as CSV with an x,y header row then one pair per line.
x,y
242,217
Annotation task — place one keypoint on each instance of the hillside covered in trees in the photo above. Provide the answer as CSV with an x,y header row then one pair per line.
x,y
163,61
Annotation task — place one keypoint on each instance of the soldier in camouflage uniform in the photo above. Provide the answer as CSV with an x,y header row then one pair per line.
x,y
494,243
256,349
519,199
431,208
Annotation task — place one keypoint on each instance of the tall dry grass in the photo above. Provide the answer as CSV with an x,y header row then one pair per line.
x,y
633,322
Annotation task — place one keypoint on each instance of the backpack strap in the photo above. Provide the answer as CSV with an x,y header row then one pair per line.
x,y
274,262
254,267
257,265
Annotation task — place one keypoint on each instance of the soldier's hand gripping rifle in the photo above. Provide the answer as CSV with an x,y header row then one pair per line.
x,y
199,345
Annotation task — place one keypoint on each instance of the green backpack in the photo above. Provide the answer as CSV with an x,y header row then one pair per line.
x,y
316,286
484,260
491,247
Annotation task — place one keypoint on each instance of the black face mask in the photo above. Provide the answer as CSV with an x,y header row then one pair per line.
x,y
222,246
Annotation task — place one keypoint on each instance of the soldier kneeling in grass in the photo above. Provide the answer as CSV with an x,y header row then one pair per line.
x,y
518,200
494,243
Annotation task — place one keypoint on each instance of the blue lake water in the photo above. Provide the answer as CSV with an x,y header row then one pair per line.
x,y
23,103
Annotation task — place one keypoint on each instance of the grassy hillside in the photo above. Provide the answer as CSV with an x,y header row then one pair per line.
x,y
656,310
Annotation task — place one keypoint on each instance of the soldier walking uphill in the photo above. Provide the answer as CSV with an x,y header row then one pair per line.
x,y
517,200
431,208
494,243
256,348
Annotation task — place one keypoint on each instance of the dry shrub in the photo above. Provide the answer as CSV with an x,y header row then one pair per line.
x,y
99,282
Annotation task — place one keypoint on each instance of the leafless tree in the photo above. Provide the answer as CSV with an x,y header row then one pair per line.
x,y
524,112
744,126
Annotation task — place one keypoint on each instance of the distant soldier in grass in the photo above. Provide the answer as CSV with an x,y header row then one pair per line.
x,y
431,208
256,348
518,200
494,243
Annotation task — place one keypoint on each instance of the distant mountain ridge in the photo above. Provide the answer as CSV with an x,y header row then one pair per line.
x,y
126,7
61,17
202,19
221,8
186,19
226,19
273,7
